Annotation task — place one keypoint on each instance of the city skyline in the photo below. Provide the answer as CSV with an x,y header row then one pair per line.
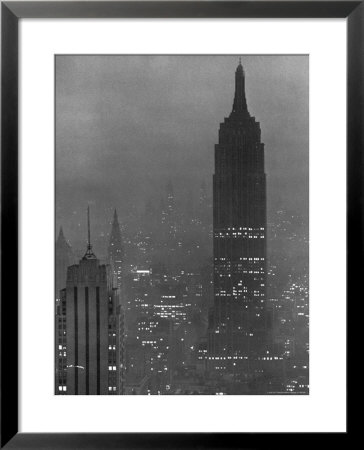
x,y
202,289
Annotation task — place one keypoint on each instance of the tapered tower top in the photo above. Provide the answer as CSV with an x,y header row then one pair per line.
x,y
116,216
62,243
61,240
115,235
240,106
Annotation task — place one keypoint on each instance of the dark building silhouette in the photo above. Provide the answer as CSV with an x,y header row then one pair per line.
x,y
89,329
64,259
237,323
116,252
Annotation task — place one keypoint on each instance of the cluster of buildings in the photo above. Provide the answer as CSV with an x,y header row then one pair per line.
x,y
153,321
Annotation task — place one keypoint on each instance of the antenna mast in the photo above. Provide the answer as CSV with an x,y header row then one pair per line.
x,y
88,229
89,254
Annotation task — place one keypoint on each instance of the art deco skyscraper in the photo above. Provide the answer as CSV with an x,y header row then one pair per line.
x,y
237,325
116,252
90,330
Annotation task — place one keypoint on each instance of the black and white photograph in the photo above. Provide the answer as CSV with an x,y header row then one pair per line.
x,y
181,225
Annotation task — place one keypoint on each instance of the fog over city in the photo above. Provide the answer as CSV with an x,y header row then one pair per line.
x,y
127,125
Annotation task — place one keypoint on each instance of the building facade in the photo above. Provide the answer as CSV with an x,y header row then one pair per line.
x,y
236,335
89,331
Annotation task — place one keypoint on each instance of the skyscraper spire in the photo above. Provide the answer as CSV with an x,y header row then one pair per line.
x,y
61,239
88,229
115,230
62,245
89,253
240,106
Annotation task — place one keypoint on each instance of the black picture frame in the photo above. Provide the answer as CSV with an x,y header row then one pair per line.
x,y
11,12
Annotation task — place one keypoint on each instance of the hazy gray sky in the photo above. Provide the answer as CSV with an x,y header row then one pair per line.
x,y
125,125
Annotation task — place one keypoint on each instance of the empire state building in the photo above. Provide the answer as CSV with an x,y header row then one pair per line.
x,y
237,332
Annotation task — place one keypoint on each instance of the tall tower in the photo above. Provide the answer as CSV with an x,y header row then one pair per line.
x,y
90,327
237,324
116,252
